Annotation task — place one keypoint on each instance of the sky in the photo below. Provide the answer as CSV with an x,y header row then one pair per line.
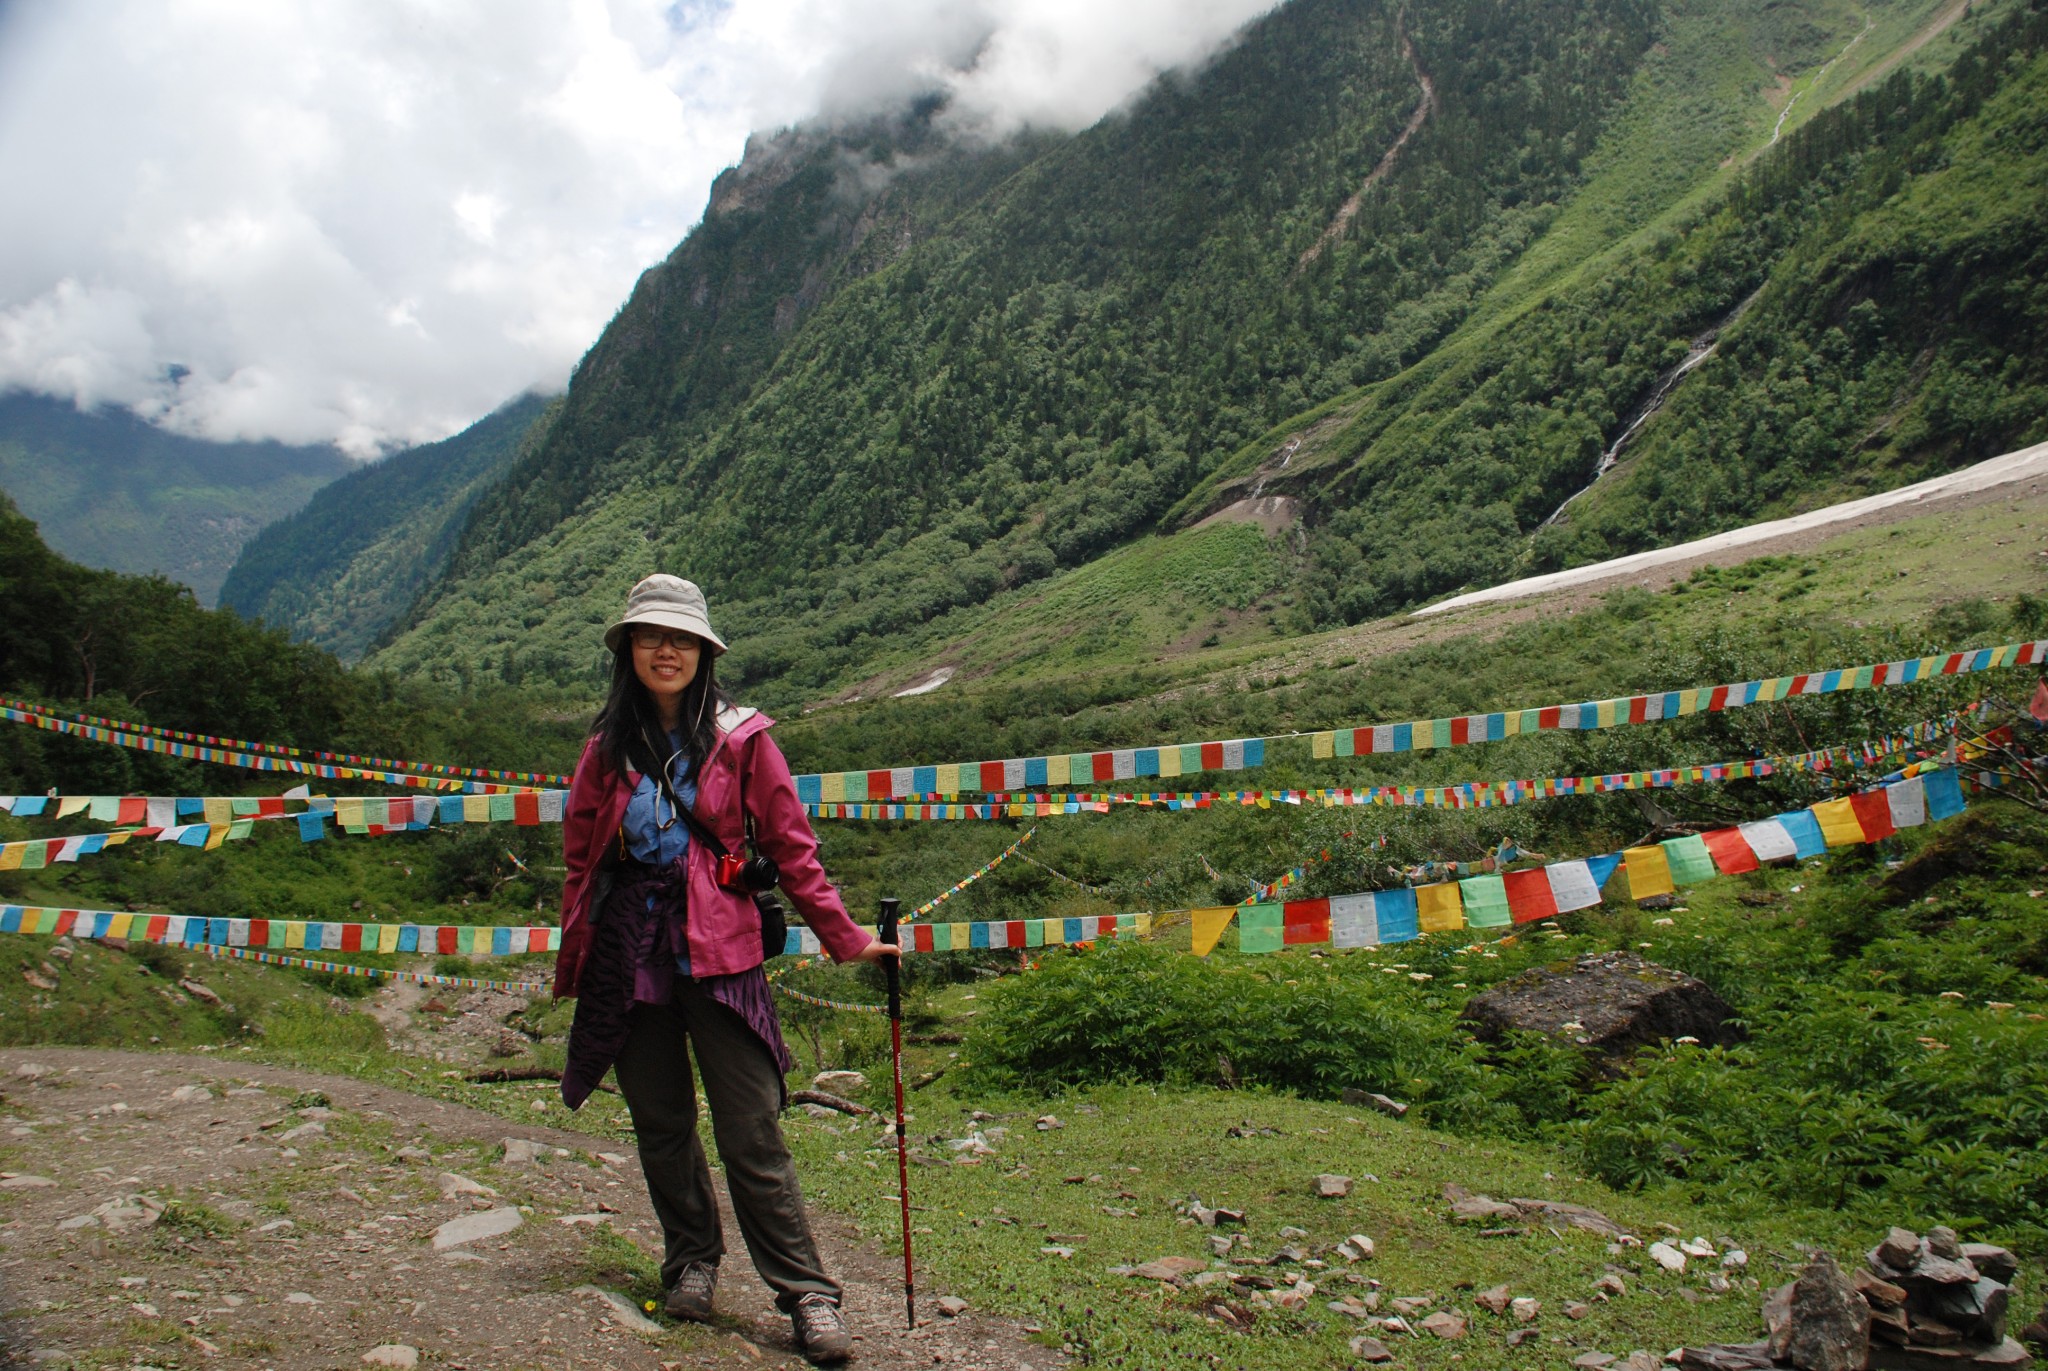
x,y
369,224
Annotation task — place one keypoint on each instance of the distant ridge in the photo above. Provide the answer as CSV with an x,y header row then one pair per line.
x,y
111,491
340,571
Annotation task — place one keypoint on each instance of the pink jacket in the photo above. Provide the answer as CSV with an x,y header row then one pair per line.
x,y
723,926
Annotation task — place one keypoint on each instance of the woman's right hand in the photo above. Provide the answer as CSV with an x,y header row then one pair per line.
x,y
876,950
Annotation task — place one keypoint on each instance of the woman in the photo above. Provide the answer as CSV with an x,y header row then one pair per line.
x,y
659,953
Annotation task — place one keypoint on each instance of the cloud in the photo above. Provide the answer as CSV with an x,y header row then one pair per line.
x,y
369,224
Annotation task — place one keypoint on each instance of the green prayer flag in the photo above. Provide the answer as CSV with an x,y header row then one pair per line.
x,y
1690,861
1261,928
1486,902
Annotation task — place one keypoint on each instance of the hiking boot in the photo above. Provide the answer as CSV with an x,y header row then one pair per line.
x,y
820,1333
690,1298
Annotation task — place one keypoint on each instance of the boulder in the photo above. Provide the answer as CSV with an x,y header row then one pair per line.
x,y
1611,1002
1995,1262
1333,1187
2004,1355
1823,1324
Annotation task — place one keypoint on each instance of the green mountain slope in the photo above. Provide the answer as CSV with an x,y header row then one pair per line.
x,y
112,491
1460,243
342,569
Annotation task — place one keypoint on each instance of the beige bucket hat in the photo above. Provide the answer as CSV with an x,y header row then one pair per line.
x,y
665,602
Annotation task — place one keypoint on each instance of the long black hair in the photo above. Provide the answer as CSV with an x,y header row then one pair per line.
x,y
630,728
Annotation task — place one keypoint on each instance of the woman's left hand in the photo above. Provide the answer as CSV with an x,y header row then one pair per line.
x,y
876,950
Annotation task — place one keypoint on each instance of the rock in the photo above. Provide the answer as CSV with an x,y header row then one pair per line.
x,y
131,1211
952,1306
38,982
1204,1278
621,1310
1350,1308
453,1185
1935,1269
1446,1324
839,1082
29,1071
1639,1360
299,1297
1494,1301
523,1151
1943,1242
1168,1268
1355,1248
1287,1256
201,993
1522,1335
392,1354
1734,1257
1612,1285
1372,1099
1667,1256
1370,1350
1524,1309
1617,1001
1414,1304
1332,1187
413,1154
1219,1246
485,1223
1826,1324
2037,1331
312,1128
1047,1122
1575,1310
2004,1355
1977,1309
190,1094
1875,1288
1697,1247
1467,1207
1750,1356
1899,1250
1593,1361
1994,1262
1888,1322
1063,1253
26,1183
582,1220
1574,1215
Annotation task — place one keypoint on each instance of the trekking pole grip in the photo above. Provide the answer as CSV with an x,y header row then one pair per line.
x,y
891,971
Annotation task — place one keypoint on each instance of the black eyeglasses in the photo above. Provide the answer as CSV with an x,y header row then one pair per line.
x,y
648,639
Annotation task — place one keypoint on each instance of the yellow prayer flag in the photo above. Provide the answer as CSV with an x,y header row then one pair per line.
x,y
1055,932
476,809
1649,872
1208,927
117,927
1440,908
219,812
1169,761
72,804
216,834
295,935
1838,822
1322,745
1057,770
348,813
387,938
10,856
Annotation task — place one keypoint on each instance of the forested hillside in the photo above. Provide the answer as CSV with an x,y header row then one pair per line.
x,y
339,571
116,492
141,648
1419,268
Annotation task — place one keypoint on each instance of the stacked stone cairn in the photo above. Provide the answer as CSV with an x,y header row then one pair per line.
x,y
1936,1302
1919,1304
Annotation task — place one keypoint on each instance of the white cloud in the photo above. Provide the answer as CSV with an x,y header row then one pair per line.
x,y
370,223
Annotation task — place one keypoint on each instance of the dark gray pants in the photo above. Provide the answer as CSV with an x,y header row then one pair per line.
x,y
745,1092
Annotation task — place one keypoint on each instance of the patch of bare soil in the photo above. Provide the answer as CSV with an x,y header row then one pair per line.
x,y
182,1211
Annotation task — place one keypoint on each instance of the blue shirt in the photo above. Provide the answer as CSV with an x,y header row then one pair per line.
x,y
646,838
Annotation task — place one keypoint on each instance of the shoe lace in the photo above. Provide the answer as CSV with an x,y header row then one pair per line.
x,y
817,1314
697,1279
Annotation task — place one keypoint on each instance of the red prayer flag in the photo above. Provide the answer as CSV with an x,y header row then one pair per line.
x,y
1874,813
1731,851
351,937
526,808
134,809
1305,921
1529,897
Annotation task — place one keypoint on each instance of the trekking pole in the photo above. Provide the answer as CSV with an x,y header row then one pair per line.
x,y
893,974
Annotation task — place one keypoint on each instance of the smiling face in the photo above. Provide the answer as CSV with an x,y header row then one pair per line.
x,y
665,660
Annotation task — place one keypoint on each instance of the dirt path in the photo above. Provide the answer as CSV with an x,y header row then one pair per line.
x,y
302,1234
1423,108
